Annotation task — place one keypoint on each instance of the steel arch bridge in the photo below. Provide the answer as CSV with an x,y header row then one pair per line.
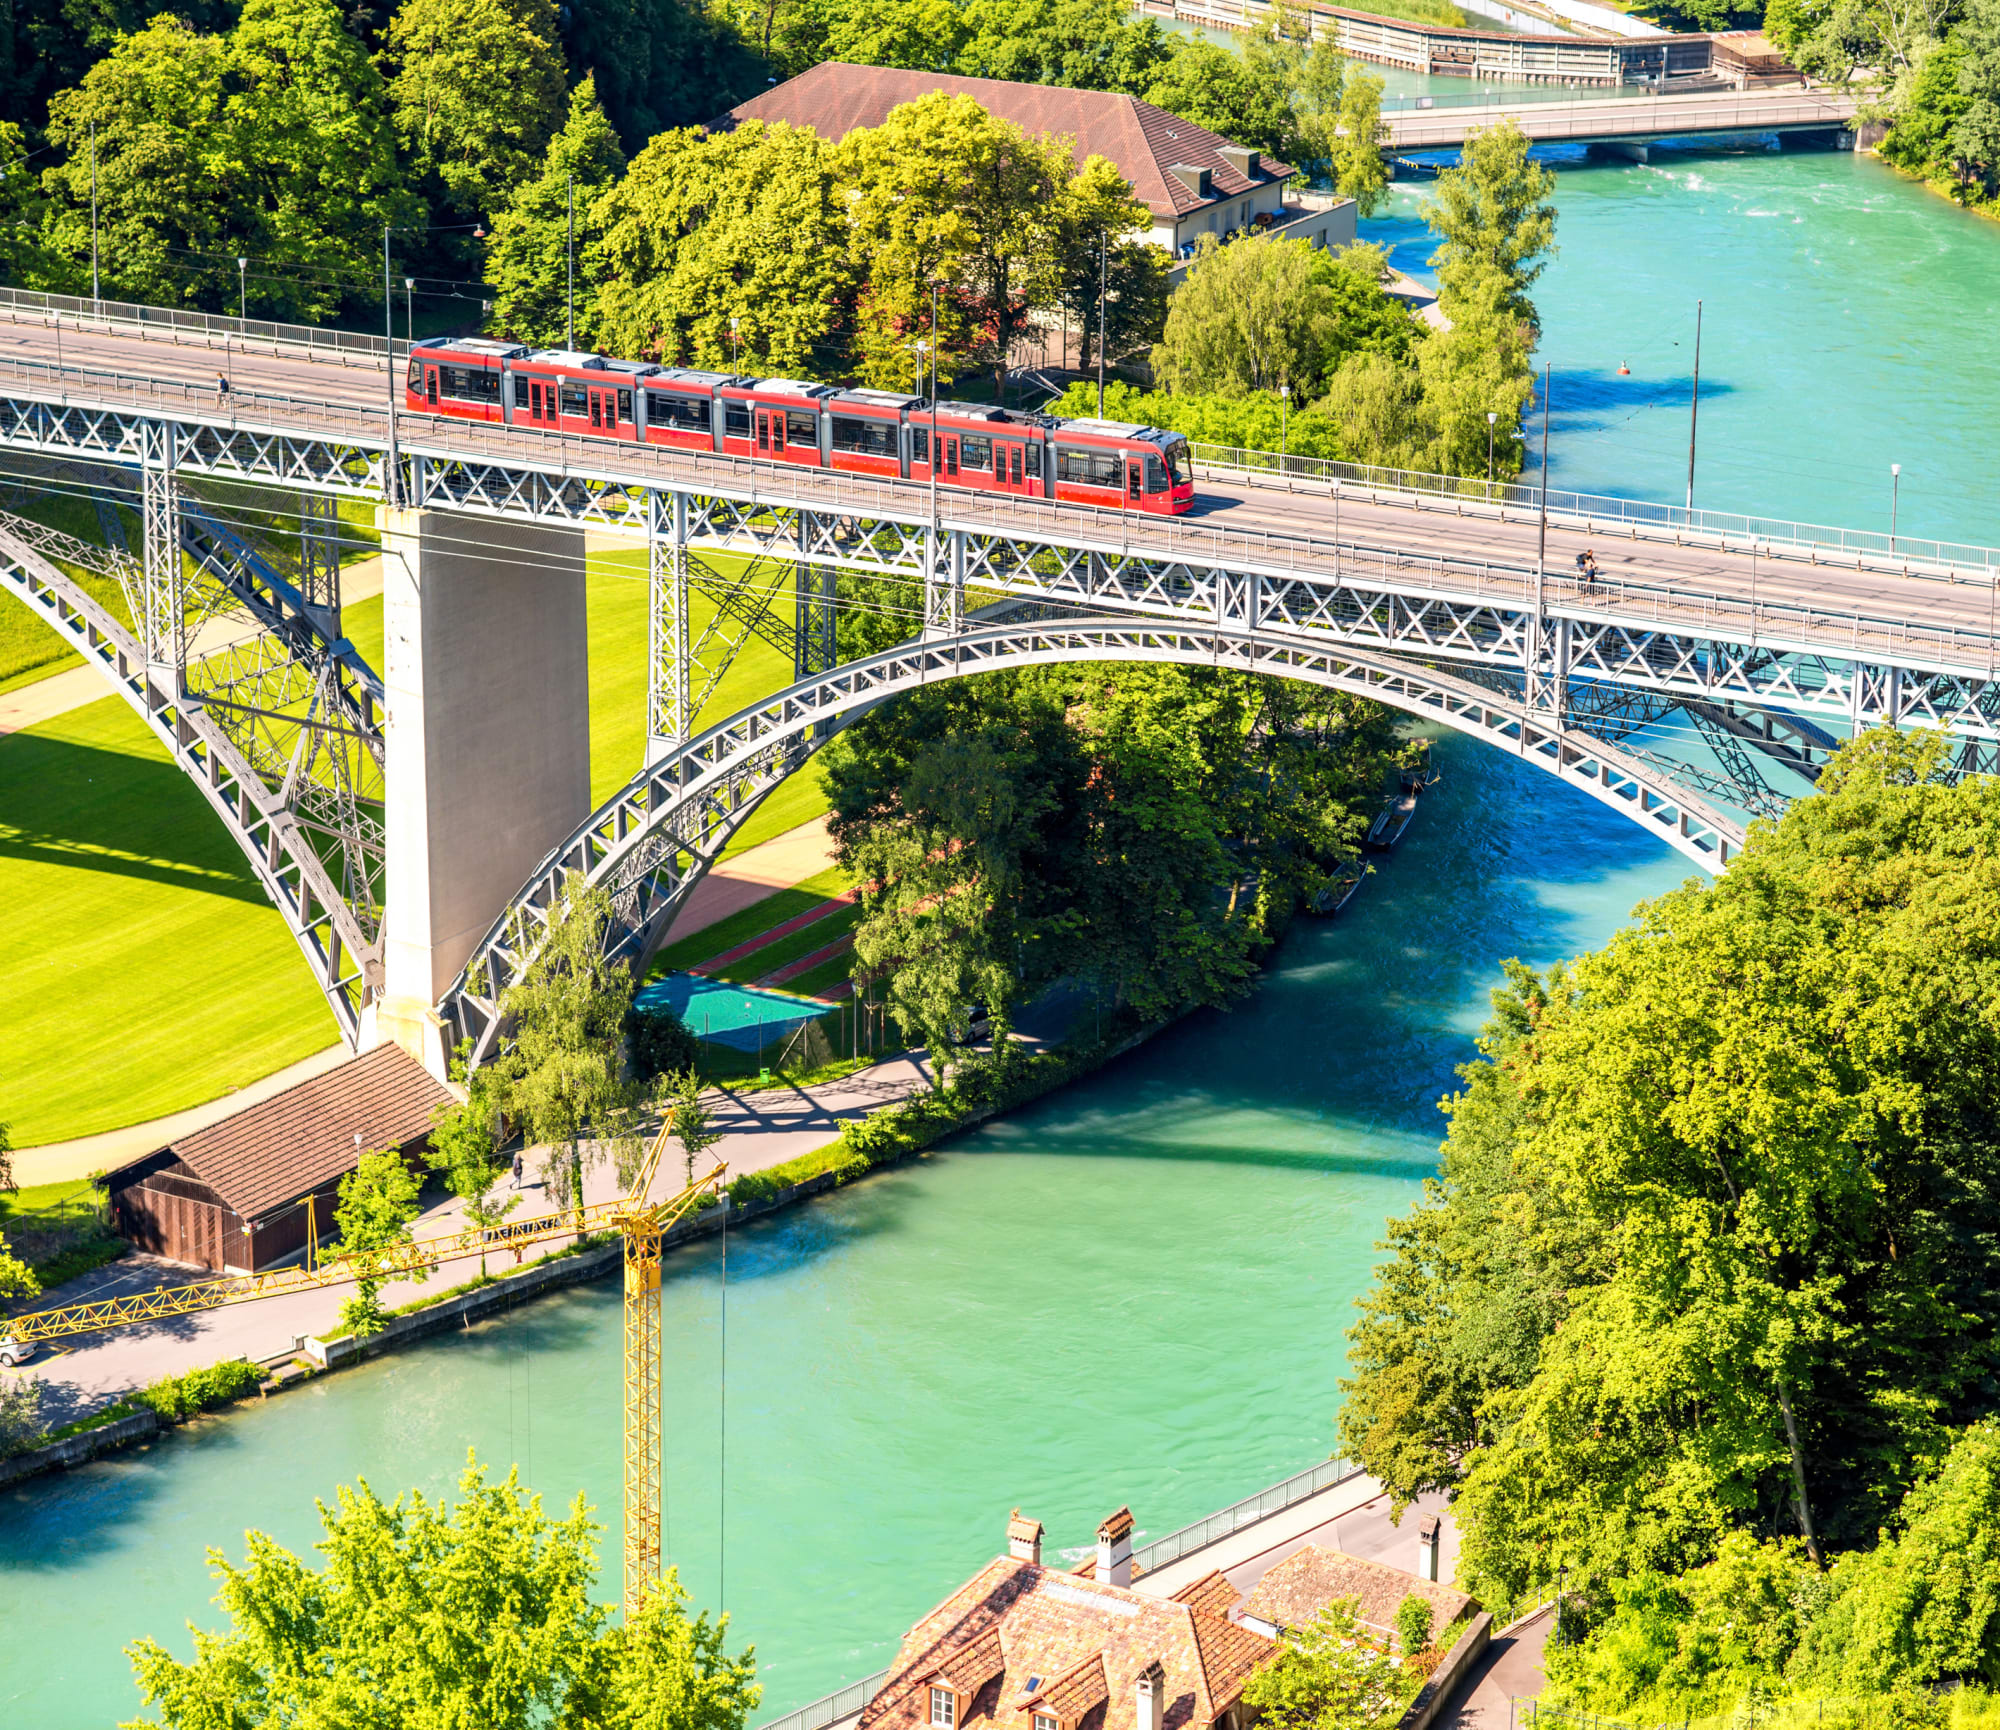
x,y
650,843
1771,639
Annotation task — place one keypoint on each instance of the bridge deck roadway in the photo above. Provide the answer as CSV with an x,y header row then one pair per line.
x,y
1787,594
1630,117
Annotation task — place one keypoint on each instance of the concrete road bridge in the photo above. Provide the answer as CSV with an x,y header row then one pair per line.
x,y
1628,122
416,823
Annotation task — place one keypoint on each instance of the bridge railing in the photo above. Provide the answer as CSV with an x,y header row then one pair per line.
x,y
1591,510
1150,1558
206,329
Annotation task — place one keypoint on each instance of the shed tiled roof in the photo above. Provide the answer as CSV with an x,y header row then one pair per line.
x,y
1073,1693
1212,1592
1294,1592
1053,1625
275,1151
975,1663
1144,143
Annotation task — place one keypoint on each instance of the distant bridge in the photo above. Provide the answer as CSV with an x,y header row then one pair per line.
x,y
1627,121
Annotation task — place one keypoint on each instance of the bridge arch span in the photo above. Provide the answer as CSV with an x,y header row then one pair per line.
x,y
652,841
345,962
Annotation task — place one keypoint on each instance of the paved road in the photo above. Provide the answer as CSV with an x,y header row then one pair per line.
x,y
1631,117
1868,596
760,1130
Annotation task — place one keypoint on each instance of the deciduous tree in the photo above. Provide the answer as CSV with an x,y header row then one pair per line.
x,y
1326,1676
378,1200
477,96
529,252
1492,214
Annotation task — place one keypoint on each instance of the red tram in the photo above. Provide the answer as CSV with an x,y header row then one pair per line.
x,y
783,420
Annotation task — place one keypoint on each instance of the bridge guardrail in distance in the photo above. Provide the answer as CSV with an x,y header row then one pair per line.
x,y
830,1709
1257,468
171,324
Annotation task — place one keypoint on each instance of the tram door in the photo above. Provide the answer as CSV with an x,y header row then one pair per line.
x,y
1008,474
771,430
948,442
603,408
1135,480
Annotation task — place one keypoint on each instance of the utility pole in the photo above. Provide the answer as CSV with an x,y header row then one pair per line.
x,y
569,253
1103,263
1895,498
96,297
1694,403
1542,547
390,490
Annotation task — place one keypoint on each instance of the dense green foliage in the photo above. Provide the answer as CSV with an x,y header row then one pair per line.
x,y
1143,829
658,1042
378,1200
1328,1675
433,1615
178,1398
1704,1298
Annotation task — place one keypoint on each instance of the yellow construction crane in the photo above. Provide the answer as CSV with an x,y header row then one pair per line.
x,y
642,1225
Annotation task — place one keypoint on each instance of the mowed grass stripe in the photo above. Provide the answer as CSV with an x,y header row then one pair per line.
x,y
726,934
146,971
761,963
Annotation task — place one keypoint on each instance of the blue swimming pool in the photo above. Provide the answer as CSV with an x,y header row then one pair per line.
x,y
728,1014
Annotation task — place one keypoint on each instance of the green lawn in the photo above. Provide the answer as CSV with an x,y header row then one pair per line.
x,y
761,963
145,970
773,910
147,973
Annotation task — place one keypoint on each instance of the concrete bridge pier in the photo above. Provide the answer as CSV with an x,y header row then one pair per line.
x,y
1624,149
486,678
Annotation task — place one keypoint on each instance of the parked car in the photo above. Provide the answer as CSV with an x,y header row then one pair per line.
x,y
15,1352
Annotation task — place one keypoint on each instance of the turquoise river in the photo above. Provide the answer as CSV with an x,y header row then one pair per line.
x,y
1137,1290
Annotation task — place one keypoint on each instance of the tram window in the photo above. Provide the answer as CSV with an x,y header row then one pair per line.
x,y
575,399
763,432
1156,475
802,429
1088,467
873,438
416,375
950,455
520,391
975,453
683,413
469,384
1017,464
1177,463
920,444
1034,462
625,406
736,420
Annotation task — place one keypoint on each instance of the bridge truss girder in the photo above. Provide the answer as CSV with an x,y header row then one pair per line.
x,y
280,847
651,842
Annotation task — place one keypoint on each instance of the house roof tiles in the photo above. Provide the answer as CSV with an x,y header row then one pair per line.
x,y
1294,1592
1212,1593
1144,143
1051,1625
295,1141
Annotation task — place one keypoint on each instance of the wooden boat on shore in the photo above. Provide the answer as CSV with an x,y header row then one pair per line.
x,y
1391,821
1339,890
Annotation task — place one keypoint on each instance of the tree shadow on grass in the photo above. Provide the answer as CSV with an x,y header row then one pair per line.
x,y
63,802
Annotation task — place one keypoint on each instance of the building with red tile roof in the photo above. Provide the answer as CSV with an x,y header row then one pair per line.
x,y
1192,180
1026,1647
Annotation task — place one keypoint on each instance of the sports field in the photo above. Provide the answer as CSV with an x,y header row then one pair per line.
x,y
146,972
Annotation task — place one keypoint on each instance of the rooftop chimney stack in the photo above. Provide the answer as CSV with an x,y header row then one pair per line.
x,y
1114,1549
1149,1695
1427,1548
1024,1539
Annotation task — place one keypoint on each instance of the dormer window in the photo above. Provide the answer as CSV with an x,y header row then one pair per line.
x,y
1043,1721
944,1708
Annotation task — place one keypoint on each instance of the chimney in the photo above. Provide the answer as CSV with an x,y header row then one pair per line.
x,y
1114,1549
1024,1539
1149,1694
1427,1548
1247,162
1194,179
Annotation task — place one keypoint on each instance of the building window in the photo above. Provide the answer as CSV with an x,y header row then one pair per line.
x,y
944,1708
1043,1721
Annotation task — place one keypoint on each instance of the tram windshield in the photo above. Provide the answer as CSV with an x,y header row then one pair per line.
x,y
1177,463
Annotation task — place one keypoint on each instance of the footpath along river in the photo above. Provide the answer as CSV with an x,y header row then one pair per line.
x,y
1137,1290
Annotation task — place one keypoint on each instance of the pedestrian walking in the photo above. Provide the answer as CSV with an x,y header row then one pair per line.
x,y
517,1171
221,384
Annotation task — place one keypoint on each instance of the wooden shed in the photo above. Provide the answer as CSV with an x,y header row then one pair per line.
x,y
238,1196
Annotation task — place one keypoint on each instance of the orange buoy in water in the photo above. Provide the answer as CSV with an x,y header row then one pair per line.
x,y
1624,371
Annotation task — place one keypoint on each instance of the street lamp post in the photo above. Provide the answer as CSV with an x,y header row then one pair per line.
x,y
242,291
410,310
1103,268
96,298
391,483
735,350
1284,426
1542,546
1895,498
569,254
1492,415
